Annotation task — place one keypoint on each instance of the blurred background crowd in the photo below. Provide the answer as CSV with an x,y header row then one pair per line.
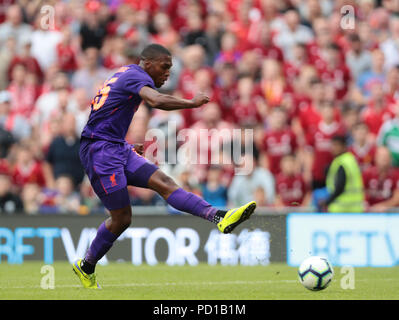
x,y
294,71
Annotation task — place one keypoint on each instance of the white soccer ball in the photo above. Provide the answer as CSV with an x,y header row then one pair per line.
x,y
315,273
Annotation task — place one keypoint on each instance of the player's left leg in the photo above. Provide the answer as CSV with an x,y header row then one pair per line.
x,y
191,203
181,199
140,172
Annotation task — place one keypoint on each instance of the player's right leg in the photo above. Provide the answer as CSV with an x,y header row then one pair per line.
x,y
107,233
103,163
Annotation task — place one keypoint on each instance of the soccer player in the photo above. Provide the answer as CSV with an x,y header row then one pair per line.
x,y
112,164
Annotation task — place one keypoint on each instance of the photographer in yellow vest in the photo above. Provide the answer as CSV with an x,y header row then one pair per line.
x,y
344,181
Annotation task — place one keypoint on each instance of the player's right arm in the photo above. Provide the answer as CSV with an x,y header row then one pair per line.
x,y
168,102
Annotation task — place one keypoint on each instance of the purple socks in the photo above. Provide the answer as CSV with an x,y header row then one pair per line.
x,y
100,245
190,203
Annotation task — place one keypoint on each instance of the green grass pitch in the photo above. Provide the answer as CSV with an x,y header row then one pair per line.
x,y
162,282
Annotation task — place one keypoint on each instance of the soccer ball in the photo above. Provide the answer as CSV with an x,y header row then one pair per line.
x,y
315,273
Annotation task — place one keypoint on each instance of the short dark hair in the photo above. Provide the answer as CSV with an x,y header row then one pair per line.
x,y
279,108
292,9
334,46
354,37
301,45
228,66
315,80
153,51
341,139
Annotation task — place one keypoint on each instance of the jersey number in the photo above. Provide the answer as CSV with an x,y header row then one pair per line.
x,y
102,94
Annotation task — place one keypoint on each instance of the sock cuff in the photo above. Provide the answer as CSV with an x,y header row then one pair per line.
x,y
189,202
179,198
219,215
174,193
106,234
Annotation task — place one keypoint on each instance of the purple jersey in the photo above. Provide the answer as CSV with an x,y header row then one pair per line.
x,y
115,104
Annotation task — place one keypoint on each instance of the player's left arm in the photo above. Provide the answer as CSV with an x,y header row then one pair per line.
x,y
168,102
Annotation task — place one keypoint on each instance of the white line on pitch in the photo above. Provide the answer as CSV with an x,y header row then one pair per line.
x,y
157,284
196,283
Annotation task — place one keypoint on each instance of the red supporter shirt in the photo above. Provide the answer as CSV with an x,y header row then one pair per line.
x,y
379,187
300,101
364,155
315,55
112,61
226,97
4,4
4,166
31,174
338,77
270,51
374,118
291,189
320,141
149,6
66,58
193,115
277,144
178,10
289,104
309,117
246,113
392,96
30,64
23,99
186,84
188,90
291,72
242,31
233,7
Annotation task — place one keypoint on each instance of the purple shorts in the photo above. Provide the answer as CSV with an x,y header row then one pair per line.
x,y
111,167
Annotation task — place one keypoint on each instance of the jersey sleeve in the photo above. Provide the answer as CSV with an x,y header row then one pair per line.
x,y
134,81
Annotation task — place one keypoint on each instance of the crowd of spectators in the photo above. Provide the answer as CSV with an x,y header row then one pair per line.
x,y
293,72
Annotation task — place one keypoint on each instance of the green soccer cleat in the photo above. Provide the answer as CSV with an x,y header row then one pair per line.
x,y
88,280
235,216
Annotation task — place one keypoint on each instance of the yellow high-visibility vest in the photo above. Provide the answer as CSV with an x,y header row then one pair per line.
x,y
352,199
